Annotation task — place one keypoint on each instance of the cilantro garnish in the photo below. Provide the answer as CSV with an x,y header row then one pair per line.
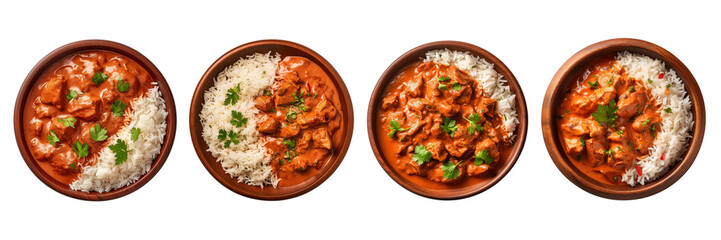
x,y
118,108
229,137
456,86
99,77
81,149
52,138
121,151
443,79
72,94
68,122
395,127
97,133
450,170
593,85
606,113
667,110
472,124
583,142
449,126
134,133
232,96
238,119
483,157
421,155
122,86
291,115
442,86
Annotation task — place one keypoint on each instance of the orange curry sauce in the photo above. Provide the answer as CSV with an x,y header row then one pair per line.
x,y
427,112
51,107
300,120
605,149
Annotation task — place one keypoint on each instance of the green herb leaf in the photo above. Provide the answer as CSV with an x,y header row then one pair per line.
x,y
643,124
68,122
118,108
593,85
81,149
122,86
473,119
52,138
583,142
99,78
632,89
291,115
483,157
97,133
421,155
443,79
72,165
134,133
267,92
222,134
72,94
232,96
229,137
449,126
456,87
668,110
395,127
442,86
238,119
668,86
649,81
120,148
450,170
606,113
290,143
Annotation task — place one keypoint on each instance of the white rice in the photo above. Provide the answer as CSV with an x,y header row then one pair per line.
x,y
149,116
673,137
493,83
248,160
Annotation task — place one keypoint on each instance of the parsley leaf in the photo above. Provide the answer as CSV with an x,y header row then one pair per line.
x,y
483,157
456,87
122,86
52,138
449,126
472,124
290,143
121,151
421,155
97,133
81,149
232,96
238,119
593,85
395,127
134,133
99,78
668,110
118,108
68,122
442,86
632,89
606,113
72,94
232,137
222,134
450,170
291,115
443,79
583,142
267,92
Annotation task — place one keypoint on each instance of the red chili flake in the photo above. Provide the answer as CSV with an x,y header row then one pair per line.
x,y
638,169
663,157
660,76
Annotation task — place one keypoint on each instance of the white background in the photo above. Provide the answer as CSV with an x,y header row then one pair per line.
x,y
360,38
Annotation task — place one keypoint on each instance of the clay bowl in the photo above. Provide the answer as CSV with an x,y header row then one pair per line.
x,y
571,69
284,48
447,192
73,48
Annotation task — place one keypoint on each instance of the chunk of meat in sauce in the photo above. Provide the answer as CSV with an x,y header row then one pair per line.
x,y
52,92
61,130
267,124
630,104
264,103
389,102
44,110
86,107
321,139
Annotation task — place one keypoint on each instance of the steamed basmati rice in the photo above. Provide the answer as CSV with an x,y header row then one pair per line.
x,y
494,85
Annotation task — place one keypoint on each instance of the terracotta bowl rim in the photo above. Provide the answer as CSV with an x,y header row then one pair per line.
x,y
400,63
254,192
76,47
581,59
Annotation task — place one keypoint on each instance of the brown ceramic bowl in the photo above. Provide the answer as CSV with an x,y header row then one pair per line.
x,y
73,48
284,48
578,63
405,180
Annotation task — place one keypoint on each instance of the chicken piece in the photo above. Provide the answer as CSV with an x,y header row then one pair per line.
x,y
604,95
264,103
575,126
414,87
645,121
303,142
643,141
267,124
52,92
326,109
595,151
286,93
85,107
487,106
60,129
36,125
309,119
490,146
436,173
457,148
630,104
573,145
460,76
404,148
416,105
410,167
292,76
436,149
619,135
44,110
436,122
389,102
447,109
41,151
582,105
62,160
622,156
321,139
108,96
289,130
474,170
